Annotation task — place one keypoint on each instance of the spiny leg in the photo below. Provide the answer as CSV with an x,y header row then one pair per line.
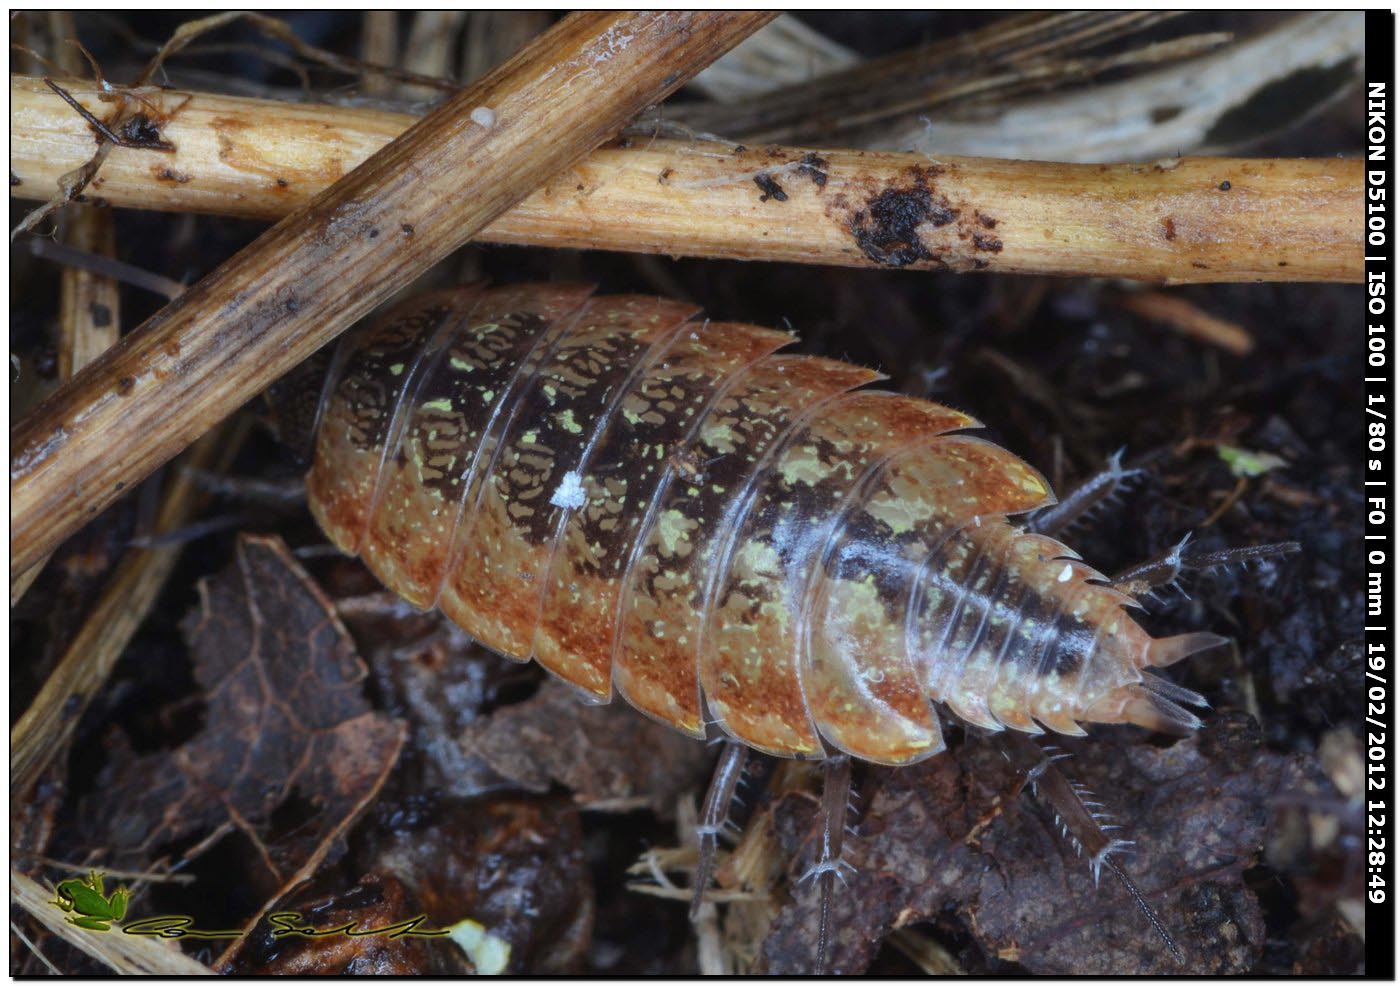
x,y
1081,821
836,794
280,496
714,815
1167,567
1092,493
283,494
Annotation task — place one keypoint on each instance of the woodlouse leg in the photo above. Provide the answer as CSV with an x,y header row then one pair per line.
x,y
836,794
1167,567
282,494
1081,820
714,815
1094,492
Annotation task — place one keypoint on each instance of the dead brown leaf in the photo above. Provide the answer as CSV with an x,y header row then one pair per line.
x,y
609,756
286,726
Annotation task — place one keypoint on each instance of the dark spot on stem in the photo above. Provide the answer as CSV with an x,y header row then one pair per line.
x,y
887,229
989,243
770,188
1168,228
665,175
166,173
407,229
125,385
140,132
101,315
1224,186
814,167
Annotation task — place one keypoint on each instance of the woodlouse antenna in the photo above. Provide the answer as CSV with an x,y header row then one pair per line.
x,y
1166,568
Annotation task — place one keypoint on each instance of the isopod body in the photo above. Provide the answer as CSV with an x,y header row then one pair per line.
x,y
666,507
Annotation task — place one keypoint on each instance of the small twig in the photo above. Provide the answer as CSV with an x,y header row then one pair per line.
x,y
147,143
105,266
34,948
280,30
1231,499
379,227
1231,219
1189,319
143,875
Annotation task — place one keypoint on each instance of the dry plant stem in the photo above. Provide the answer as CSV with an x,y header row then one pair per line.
x,y
89,319
128,596
1187,318
912,78
379,45
89,308
136,955
332,261
492,36
1287,220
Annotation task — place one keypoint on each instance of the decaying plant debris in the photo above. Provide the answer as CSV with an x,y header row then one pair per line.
x,y
289,737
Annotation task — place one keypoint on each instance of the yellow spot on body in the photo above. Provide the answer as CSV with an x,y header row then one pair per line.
x,y
396,369
567,422
441,404
803,465
674,530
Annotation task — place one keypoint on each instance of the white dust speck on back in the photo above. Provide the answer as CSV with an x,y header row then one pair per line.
x,y
570,494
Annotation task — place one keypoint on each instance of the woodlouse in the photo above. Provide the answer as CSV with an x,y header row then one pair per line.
x,y
667,508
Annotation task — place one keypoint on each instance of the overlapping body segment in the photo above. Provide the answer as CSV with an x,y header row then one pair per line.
x,y
640,499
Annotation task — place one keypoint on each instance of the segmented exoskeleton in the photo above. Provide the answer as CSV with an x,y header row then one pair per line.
x,y
661,506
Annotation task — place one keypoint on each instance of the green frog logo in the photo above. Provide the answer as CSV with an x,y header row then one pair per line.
x,y
87,906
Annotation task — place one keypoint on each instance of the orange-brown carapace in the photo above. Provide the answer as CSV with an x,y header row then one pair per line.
x,y
659,505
